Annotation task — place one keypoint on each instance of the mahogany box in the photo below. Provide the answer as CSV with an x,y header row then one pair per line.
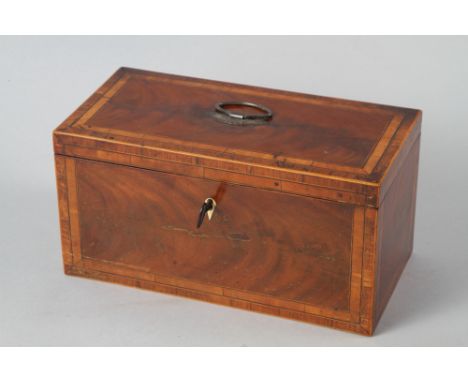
x,y
283,203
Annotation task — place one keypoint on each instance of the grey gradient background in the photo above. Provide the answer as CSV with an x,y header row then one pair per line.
x,y
43,79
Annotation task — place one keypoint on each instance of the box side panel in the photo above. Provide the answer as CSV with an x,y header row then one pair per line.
x,y
396,229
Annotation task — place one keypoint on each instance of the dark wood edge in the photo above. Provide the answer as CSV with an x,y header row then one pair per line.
x,y
63,206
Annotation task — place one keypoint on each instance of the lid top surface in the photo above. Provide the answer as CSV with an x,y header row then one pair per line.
x,y
306,133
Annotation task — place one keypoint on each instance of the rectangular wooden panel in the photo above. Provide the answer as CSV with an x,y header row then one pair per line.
x,y
141,223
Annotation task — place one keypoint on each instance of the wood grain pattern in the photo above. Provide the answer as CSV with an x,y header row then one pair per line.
x,y
150,226
315,210
352,133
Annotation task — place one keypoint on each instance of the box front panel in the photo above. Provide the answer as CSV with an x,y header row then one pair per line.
x,y
267,247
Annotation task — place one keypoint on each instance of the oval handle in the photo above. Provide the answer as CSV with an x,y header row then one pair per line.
x,y
207,208
262,112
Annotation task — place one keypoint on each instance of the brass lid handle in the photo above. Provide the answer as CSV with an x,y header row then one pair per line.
x,y
259,112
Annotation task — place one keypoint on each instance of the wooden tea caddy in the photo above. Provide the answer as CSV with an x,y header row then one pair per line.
x,y
309,201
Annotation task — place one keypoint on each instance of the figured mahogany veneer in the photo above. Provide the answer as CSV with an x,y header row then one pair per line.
x,y
315,208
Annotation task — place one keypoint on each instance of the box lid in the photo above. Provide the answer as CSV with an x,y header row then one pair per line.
x,y
325,142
